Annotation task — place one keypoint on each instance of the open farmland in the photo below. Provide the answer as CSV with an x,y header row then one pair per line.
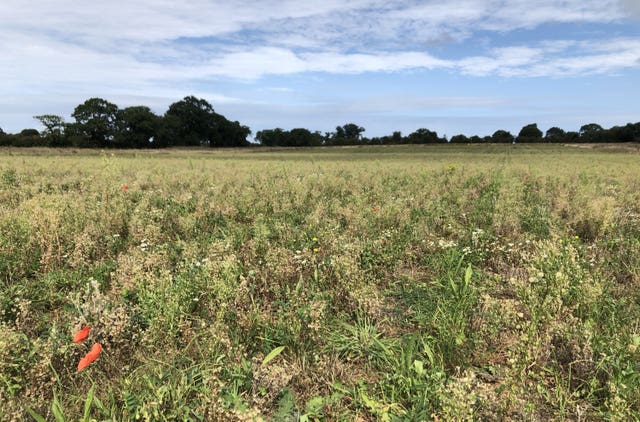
x,y
484,282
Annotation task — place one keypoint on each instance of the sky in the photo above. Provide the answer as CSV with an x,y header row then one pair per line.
x,y
454,66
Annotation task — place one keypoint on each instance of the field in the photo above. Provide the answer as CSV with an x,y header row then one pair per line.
x,y
441,283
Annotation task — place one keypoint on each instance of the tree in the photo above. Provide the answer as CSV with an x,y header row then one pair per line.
x,y
502,136
96,121
137,127
348,134
304,138
193,122
530,133
54,127
270,137
189,122
555,134
423,136
225,133
626,133
27,138
459,139
396,137
590,132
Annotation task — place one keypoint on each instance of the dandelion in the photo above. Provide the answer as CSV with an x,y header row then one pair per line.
x,y
93,354
82,334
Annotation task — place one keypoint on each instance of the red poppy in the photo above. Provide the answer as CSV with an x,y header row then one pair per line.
x,y
376,209
82,334
90,357
124,187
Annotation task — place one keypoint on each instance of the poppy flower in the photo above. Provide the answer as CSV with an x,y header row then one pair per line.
x,y
124,187
376,209
82,334
90,357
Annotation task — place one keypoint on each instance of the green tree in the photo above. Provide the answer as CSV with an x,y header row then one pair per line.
x,y
96,121
189,122
423,136
137,127
348,134
502,136
54,127
555,134
590,132
193,122
270,137
225,133
530,133
302,137
459,139
28,138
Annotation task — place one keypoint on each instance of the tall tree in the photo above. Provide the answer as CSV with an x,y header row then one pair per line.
x,y
138,126
459,139
270,137
555,134
54,127
423,136
502,136
590,132
97,121
189,122
348,134
530,133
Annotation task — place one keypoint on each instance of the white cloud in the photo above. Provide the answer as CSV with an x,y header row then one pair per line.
x,y
61,52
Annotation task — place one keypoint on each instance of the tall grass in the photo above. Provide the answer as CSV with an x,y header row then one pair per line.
x,y
450,283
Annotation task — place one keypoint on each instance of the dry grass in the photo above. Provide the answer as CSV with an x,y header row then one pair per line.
x,y
412,282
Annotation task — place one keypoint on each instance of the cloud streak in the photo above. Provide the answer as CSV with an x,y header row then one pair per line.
x,y
160,50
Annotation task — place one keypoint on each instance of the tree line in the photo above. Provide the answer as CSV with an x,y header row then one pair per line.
x,y
351,134
101,124
193,122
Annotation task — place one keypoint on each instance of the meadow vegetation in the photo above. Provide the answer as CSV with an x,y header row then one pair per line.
x,y
476,282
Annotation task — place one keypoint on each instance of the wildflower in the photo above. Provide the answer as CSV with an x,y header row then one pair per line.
x,y
90,357
124,187
81,335
376,209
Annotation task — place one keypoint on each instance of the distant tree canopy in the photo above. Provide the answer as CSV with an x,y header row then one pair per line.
x,y
54,127
193,122
101,124
502,136
530,133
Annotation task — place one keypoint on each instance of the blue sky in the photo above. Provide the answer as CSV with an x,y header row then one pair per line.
x,y
456,66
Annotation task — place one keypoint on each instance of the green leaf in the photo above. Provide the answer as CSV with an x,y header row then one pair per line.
x,y
87,405
34,415
419,367
272,355
56,408
467,275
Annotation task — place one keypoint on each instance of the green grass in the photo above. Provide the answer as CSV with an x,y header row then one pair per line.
x,y
484,282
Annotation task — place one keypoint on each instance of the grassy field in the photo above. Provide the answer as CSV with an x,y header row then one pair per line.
x,y
393,283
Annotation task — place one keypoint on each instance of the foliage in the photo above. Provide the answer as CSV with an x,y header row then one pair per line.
x,y
96,121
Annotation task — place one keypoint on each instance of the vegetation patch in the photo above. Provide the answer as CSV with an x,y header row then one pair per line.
x,y
453,282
